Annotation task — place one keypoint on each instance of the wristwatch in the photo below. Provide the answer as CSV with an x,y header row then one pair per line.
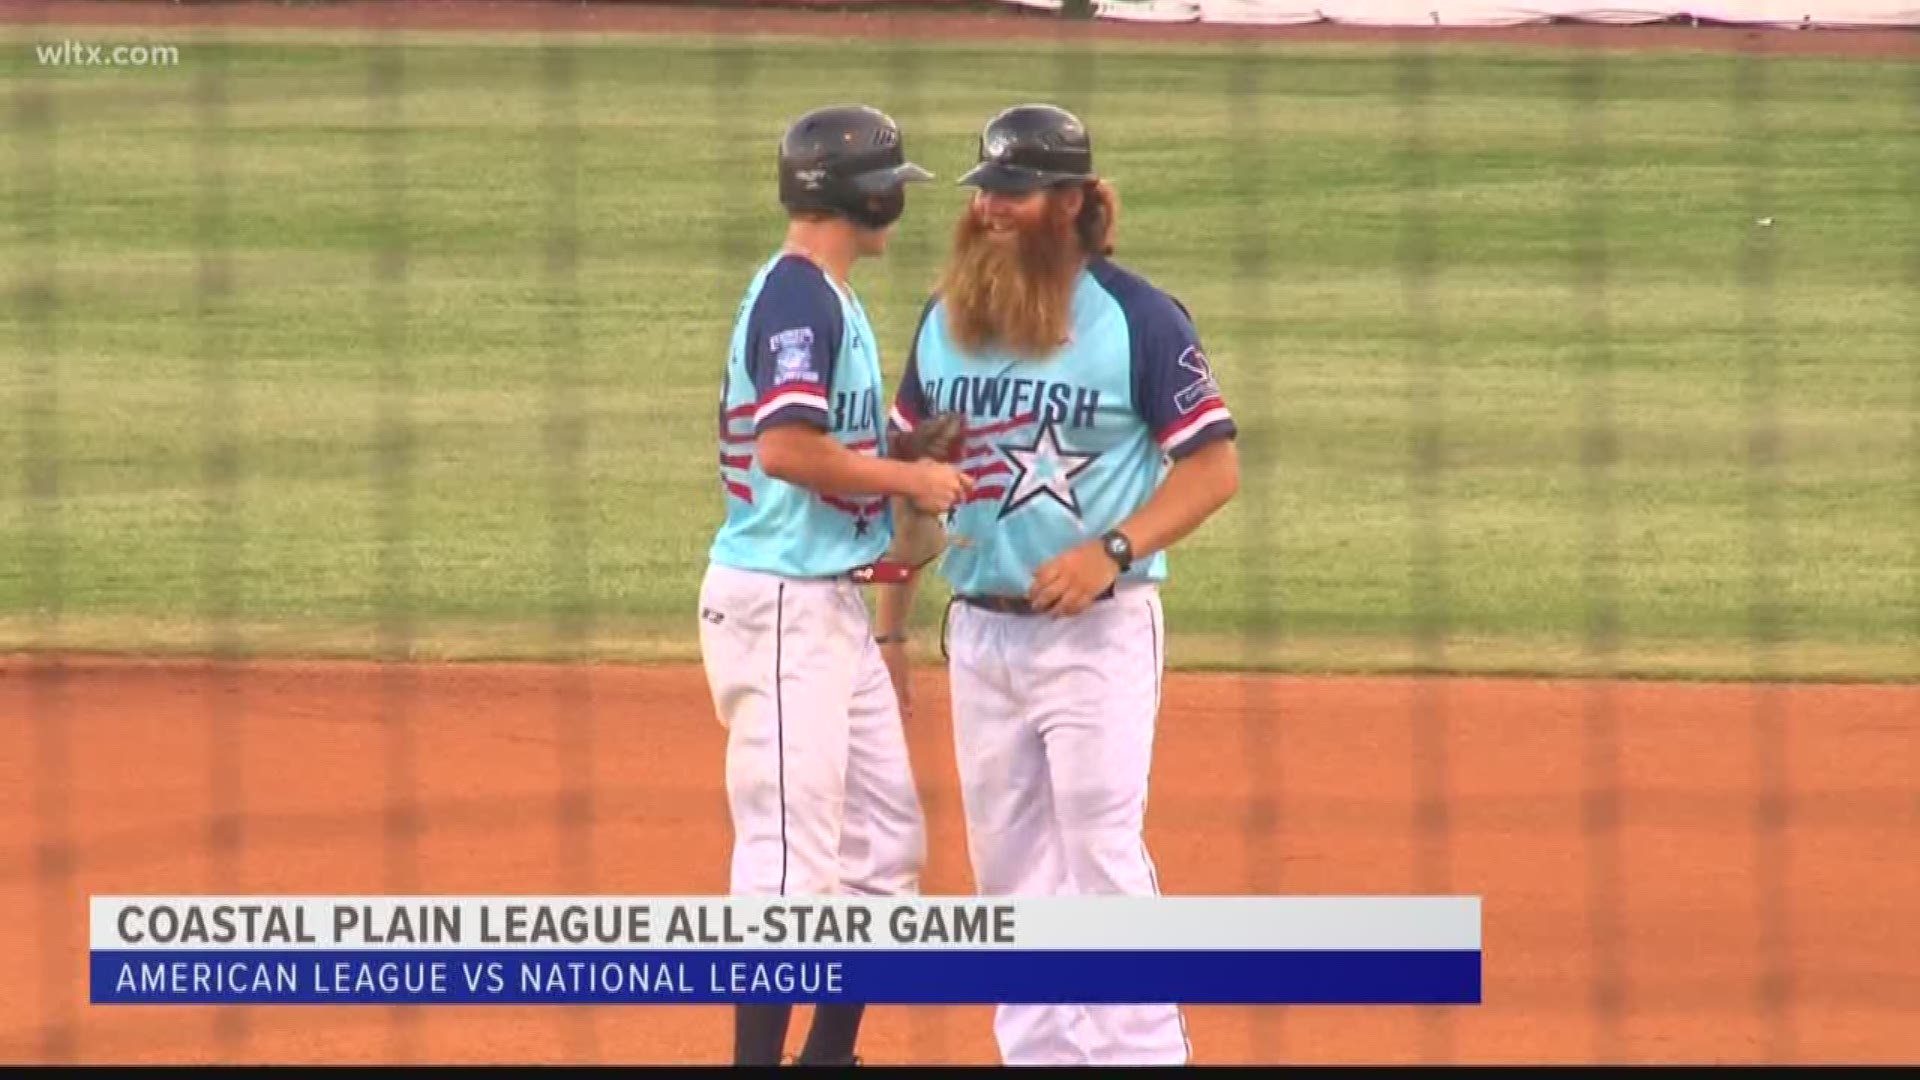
x,y
1118,548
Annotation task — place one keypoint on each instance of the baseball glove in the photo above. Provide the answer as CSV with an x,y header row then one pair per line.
x,y
920,537
938,437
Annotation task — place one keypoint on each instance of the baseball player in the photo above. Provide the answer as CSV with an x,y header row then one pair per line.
x,y
1097,437
819,788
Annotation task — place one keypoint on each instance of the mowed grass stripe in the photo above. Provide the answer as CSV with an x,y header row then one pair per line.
x,y
656,303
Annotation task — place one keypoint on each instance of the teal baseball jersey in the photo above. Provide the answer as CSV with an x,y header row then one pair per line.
x,y
803,352
1065,447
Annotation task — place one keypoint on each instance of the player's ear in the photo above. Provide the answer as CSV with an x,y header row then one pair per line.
x,y
1099,211
1070,198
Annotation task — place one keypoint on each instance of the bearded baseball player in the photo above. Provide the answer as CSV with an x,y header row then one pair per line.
x,y
819,786
1097,438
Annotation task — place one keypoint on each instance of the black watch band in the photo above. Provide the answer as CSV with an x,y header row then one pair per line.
x,y
1118,548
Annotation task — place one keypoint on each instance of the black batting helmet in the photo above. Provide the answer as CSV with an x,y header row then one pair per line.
x,y
1029,147
848,160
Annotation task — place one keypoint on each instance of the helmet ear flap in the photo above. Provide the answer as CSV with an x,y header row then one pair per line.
x,y
880,211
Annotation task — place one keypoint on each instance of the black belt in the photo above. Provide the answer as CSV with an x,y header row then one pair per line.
x,y
1014,605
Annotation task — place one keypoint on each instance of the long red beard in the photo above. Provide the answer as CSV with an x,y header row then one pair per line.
x,y
1017,298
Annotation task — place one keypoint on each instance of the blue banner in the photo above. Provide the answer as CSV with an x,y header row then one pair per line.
x,y
903,976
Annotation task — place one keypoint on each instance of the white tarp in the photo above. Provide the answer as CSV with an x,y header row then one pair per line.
x,y
1807,12
1254,12
1779,13
1435,12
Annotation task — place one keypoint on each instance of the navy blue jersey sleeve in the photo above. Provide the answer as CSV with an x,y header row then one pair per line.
x,y
793,337
910,405
1173,386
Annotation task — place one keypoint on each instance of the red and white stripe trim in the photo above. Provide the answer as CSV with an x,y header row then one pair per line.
x,y
1210,412
812,399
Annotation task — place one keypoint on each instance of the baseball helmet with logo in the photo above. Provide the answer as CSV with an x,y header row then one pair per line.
x,y
848,160
1029,147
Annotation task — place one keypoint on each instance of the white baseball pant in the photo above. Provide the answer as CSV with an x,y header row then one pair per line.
x,y
1053,734
819,785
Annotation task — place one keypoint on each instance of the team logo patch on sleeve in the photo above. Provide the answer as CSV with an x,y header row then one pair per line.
x,y
1202,387
793,356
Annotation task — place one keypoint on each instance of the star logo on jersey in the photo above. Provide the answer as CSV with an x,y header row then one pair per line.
x,y
1044,468
860,525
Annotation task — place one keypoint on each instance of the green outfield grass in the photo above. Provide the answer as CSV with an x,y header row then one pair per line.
x,y
1321,355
